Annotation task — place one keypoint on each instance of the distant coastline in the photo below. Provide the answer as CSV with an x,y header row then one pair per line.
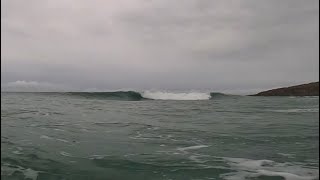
x,y
310,89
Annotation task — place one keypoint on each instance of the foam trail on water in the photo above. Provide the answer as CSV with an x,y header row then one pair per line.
x,y
159,95
192,147
252,169
312,110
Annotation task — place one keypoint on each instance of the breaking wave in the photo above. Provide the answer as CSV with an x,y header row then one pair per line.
x,y
145,95
158,95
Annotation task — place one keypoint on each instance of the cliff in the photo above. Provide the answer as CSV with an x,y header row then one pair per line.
x,y
311,89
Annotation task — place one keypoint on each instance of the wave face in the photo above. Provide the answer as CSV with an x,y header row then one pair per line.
x,y
217,94
158,95
118,95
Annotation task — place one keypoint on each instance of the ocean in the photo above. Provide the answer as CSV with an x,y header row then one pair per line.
x,y
158,136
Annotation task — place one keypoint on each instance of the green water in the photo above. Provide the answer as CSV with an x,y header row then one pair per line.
x,y
59,136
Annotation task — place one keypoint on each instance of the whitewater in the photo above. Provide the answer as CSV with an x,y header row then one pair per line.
x,y
161,95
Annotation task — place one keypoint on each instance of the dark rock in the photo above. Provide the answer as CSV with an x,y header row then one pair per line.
x,y
311,89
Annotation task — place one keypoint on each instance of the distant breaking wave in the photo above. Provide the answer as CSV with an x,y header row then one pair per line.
x,y
137,96
158,95
146,95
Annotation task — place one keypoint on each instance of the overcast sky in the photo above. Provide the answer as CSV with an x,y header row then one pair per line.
x,y
221,45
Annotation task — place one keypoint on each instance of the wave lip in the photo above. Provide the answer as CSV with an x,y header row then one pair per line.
x,y
160,95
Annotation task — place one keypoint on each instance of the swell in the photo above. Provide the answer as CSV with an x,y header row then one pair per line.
x,y
138,96
148,95
219,95
117,95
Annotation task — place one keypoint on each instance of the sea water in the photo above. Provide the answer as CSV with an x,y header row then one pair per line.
x,y
158,135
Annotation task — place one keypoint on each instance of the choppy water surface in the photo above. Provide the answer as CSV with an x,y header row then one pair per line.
x,y
66,136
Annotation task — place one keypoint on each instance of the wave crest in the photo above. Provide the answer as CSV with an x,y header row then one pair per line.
x,y
159,95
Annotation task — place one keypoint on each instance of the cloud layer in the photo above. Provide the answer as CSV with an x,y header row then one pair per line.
x,y
164,44
33,86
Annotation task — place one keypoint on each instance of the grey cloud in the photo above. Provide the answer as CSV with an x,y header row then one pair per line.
x,y
33,86
165,44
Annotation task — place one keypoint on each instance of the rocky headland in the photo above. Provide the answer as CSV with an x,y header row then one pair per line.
x,y
310,89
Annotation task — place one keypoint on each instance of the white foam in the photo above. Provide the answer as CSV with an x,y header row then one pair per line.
x,y
159,95
286,155
286,175
45,137
311,110
65,154
17,152
97,156
139,136
8,170
62,140
197,158
248,168
192,147
51,138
